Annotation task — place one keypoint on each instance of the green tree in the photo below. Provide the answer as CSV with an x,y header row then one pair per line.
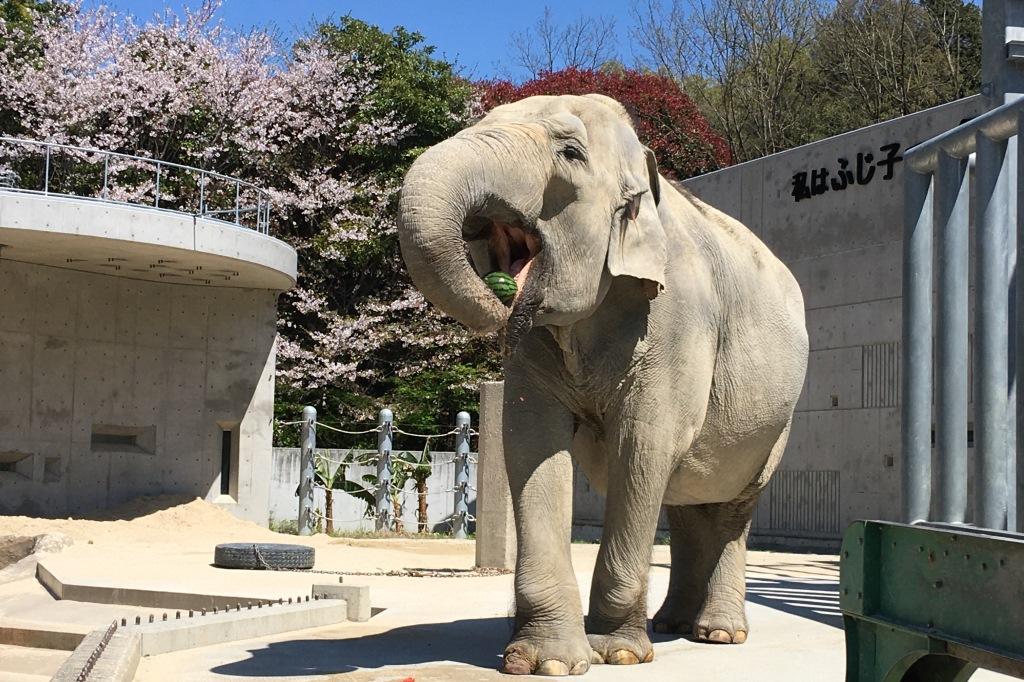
x,y
410,83
880,59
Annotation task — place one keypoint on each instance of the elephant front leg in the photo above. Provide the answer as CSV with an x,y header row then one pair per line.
x,y
617,620
549,638
707,588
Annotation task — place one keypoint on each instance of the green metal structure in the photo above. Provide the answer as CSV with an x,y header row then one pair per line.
x,y
931,602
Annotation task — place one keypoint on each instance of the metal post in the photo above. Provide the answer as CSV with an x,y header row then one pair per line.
x,y
46,172
1016,522
462,422
917,346
157,204
106,174
238,189
1011,319
306,466
383,495
952,197
202,193
991,392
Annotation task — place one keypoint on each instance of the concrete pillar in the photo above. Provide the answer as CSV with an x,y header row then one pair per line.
x,y
495,525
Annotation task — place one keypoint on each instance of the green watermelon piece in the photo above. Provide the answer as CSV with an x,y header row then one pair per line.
x,y
503,285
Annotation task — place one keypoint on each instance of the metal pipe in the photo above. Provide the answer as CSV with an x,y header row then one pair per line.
x,y
202,193
307,467
157,204
952,208
1016,523
917,346
997,124
1011,322
991,389
237,199
106,174
46,172
385,419
461,517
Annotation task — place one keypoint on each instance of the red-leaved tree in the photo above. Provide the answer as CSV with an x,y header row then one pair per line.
x,y
666,119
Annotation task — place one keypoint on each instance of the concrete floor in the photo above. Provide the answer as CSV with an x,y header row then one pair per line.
x,y
455,629
430,629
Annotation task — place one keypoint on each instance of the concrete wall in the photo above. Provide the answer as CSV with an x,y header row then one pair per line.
x,y
91,361
349,511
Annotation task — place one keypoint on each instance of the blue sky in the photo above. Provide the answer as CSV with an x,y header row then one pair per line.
x,y
473,33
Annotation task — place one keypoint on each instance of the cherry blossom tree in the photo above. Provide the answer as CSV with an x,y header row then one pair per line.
x,y
327,125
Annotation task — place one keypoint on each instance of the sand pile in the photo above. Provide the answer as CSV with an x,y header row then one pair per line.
x,y
147,520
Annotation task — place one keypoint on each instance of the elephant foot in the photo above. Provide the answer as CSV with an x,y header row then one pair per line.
x,y
546,657
721,628
718,624
622,649
673,618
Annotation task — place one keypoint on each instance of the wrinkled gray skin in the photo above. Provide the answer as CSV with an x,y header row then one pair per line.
x,y
654,340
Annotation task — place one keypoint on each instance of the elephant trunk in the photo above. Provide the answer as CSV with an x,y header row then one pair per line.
x,y
461,178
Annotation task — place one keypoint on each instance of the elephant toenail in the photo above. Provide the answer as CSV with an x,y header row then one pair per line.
x,y
515,664
649,657
719,636
623,657
596,657
740,637
552,667
580,668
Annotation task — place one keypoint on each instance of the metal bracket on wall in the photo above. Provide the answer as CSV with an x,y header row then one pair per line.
x,y
931,601
1015,52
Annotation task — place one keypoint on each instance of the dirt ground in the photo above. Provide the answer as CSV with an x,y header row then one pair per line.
x,y
424,628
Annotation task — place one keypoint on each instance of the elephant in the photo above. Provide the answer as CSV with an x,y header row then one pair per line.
x,y
653,340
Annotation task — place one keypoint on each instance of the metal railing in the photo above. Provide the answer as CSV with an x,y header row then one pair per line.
x,y
49,168
937,197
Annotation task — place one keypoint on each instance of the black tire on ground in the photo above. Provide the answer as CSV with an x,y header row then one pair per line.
x,y
261,555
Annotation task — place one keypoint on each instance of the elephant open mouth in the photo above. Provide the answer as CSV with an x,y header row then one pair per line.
x,y
506,244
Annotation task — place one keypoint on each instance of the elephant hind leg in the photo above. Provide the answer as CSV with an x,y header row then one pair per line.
x,y
707,587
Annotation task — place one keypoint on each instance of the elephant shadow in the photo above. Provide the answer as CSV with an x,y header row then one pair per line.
x,y
476,642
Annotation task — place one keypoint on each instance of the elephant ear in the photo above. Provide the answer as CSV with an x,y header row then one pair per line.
x,y
638,246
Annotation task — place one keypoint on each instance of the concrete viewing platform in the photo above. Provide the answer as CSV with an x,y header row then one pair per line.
x,y
140,242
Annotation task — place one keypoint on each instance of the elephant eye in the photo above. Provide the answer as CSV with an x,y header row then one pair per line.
x,y
633,206
573,153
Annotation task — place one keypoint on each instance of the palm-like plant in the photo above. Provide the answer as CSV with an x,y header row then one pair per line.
x,y
406,465
336,479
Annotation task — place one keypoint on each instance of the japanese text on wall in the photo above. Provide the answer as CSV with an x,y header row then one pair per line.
x,y
859,172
